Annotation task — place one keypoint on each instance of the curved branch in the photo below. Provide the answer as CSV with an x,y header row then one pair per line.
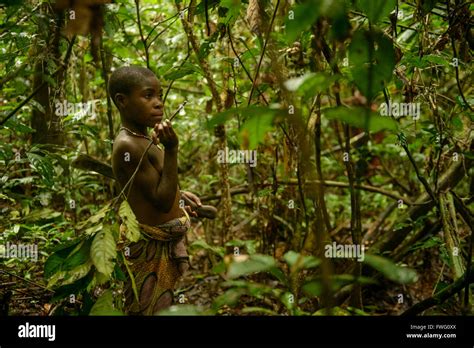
x,y
441,296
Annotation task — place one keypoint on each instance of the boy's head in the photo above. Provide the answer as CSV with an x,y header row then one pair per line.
x,y
137,94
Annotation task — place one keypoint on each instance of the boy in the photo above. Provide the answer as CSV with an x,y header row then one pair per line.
x,y
159,257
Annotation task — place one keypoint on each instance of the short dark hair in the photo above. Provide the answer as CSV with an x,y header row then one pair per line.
x,y
125,78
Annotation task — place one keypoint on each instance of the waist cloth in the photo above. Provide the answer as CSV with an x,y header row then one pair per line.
x,y
155,262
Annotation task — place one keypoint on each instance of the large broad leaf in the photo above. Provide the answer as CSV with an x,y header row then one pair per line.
x,y
398,274
310,84
255,128
55,261
43,166
79,256
299,261
259,120
362,118
376,10
255,263
72,289
105,305
302,17
233,12
77,273
132,231
372,59
69,277
103,251
94,219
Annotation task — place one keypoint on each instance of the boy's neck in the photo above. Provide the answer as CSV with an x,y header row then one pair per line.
x,y
140,129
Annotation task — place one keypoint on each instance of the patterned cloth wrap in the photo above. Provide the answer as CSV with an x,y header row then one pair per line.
x,y
156,262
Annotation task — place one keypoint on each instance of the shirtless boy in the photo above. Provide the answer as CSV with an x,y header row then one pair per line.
x,y
158,259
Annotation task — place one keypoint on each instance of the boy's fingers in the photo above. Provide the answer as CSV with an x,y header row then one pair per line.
x,y
154,137
190,211
194,198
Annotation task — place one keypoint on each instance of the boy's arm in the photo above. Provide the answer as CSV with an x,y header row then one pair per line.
x,y
161,191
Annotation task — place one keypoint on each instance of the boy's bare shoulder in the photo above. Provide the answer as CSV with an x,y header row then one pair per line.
x,y
127,147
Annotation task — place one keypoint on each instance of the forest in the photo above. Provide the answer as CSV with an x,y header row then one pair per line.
x,y
333,138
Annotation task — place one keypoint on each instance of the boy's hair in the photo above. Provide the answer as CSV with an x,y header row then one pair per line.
x,y
125,78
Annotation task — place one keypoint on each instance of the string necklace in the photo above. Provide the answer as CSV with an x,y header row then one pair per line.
x,y
136,134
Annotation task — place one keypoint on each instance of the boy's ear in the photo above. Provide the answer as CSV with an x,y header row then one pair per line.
x,y
120,100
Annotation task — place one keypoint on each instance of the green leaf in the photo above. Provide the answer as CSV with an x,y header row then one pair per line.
x,y
338,311
234,9
105,305
201,244
249,245
376,10
18,126
77,273
78,256
304,262
74,288
54,262
231,297
255,128
310,84
103,251
42,214
398,274
132,231
177,73
362,118
43,166
300,19
314,287
372,57
288,299
255,263
94,219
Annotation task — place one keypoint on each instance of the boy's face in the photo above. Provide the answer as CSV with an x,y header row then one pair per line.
x,y
144,105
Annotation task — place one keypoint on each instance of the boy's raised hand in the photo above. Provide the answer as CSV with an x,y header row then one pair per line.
x,y
165,134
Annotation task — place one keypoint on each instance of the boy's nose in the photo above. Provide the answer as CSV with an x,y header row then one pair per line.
x,y
158,103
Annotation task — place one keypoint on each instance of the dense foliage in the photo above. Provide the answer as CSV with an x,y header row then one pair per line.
x,y
360,113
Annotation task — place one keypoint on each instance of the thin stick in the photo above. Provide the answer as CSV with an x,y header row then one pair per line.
x,y
177,111
26,280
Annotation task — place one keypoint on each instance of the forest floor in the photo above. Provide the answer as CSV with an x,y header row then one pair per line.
x,y
200,287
